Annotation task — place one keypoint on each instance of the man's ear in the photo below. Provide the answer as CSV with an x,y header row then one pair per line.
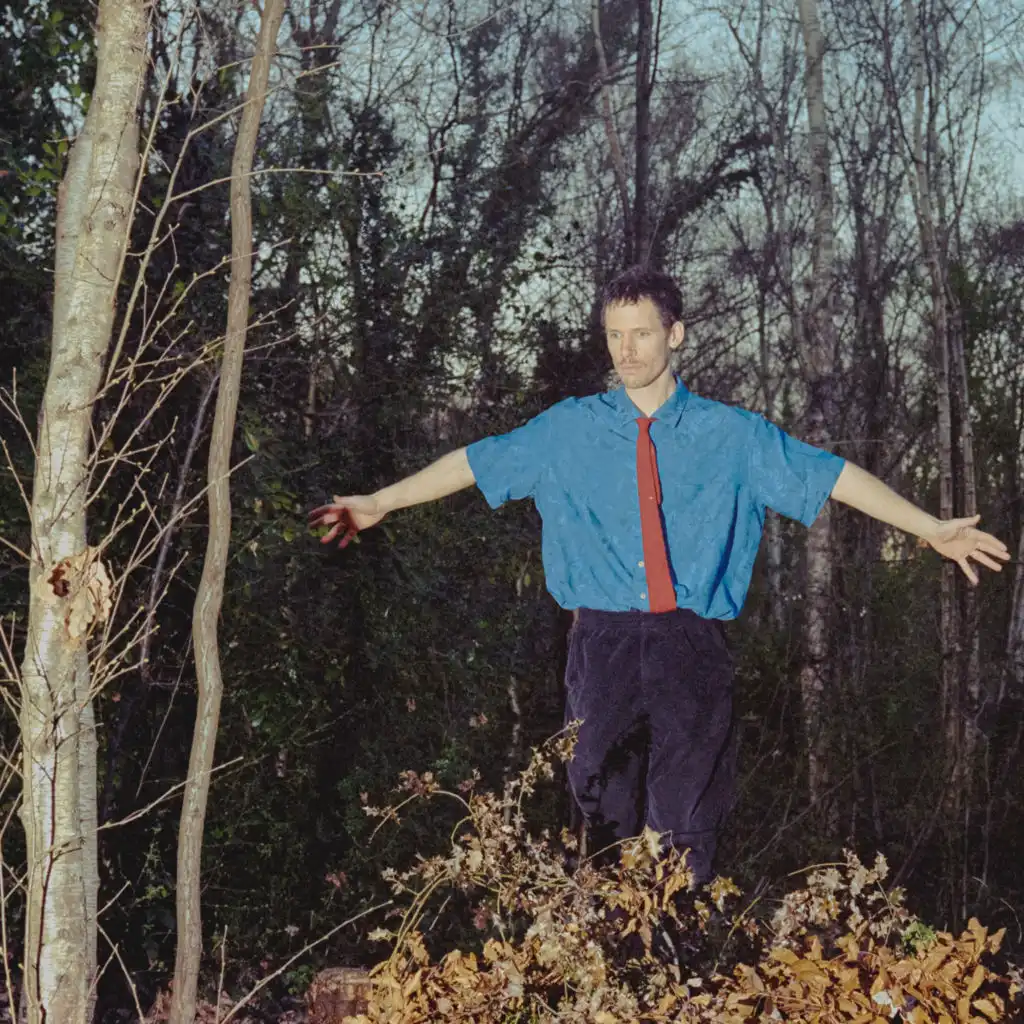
x,y
676,335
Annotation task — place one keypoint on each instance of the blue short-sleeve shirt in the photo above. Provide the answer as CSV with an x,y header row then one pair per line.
x,y
720,469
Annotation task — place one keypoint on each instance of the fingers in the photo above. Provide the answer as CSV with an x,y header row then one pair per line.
x,y
324,512
982,559
331,534
993,546
338,519
337,507
346,524
988,539
968,571
339,516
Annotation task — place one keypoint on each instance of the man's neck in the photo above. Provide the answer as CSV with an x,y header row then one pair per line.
x,y
651,398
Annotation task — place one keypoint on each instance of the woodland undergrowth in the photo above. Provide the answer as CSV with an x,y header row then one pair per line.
x,y
591,940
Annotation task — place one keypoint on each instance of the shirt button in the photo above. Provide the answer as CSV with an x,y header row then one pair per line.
x,y
639,565
643,596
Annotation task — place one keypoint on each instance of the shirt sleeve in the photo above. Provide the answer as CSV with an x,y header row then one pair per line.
x,y
792,478
509,466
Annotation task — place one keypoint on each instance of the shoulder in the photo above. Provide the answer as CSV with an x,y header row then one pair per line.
x,y
728,419
554,417
568,407
577,409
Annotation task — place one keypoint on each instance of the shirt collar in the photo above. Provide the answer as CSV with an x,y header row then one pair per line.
x,y
670,411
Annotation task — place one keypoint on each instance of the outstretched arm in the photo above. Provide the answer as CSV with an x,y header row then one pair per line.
x,y
353,513
448,474
958,539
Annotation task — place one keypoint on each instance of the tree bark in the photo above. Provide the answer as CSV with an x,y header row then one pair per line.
x,y
611,132
776,268
969,639
209,596
1012,681
818,353
921,190
641,234
57,724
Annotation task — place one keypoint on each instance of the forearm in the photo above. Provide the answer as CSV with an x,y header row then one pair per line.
x,y
861,490
448,474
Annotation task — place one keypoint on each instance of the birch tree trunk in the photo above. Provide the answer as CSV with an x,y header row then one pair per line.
x,y
69,589
818,352
211,586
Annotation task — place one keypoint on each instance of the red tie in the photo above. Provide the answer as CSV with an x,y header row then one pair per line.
x,y
660,591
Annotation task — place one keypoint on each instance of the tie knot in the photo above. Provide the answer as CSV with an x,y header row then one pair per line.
x,y
645,423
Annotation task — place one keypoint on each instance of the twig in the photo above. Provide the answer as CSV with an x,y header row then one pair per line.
x,y
115,952
247,998
275,170
153,597
170,704
220,980
10,463
3,914
135,815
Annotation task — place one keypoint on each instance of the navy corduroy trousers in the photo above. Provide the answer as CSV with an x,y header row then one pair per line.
x,y
656,745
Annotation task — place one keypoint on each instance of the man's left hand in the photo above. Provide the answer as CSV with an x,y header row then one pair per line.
x,y
960,540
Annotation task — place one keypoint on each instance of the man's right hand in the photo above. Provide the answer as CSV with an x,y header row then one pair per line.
x,y
347,516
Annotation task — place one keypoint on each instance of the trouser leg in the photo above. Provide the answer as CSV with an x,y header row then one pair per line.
x,y
687,685
607,767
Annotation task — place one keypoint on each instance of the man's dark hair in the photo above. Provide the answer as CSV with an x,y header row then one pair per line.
x,y
642,282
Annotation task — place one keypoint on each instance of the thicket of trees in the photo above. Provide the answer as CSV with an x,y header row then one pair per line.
x,y
438,192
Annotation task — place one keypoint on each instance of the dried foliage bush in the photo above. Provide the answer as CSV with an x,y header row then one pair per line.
x,y
628,942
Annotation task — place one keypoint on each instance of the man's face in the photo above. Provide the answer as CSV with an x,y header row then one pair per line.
x,y
639,343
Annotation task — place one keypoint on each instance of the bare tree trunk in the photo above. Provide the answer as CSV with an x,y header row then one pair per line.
x,y
642,176
211,587
57,723
777,269
773,525
921,190
612,134
969,640
157,580
1012,680
309,417
818,356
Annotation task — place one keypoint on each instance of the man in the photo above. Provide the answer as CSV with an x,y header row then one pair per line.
x,y
653,502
